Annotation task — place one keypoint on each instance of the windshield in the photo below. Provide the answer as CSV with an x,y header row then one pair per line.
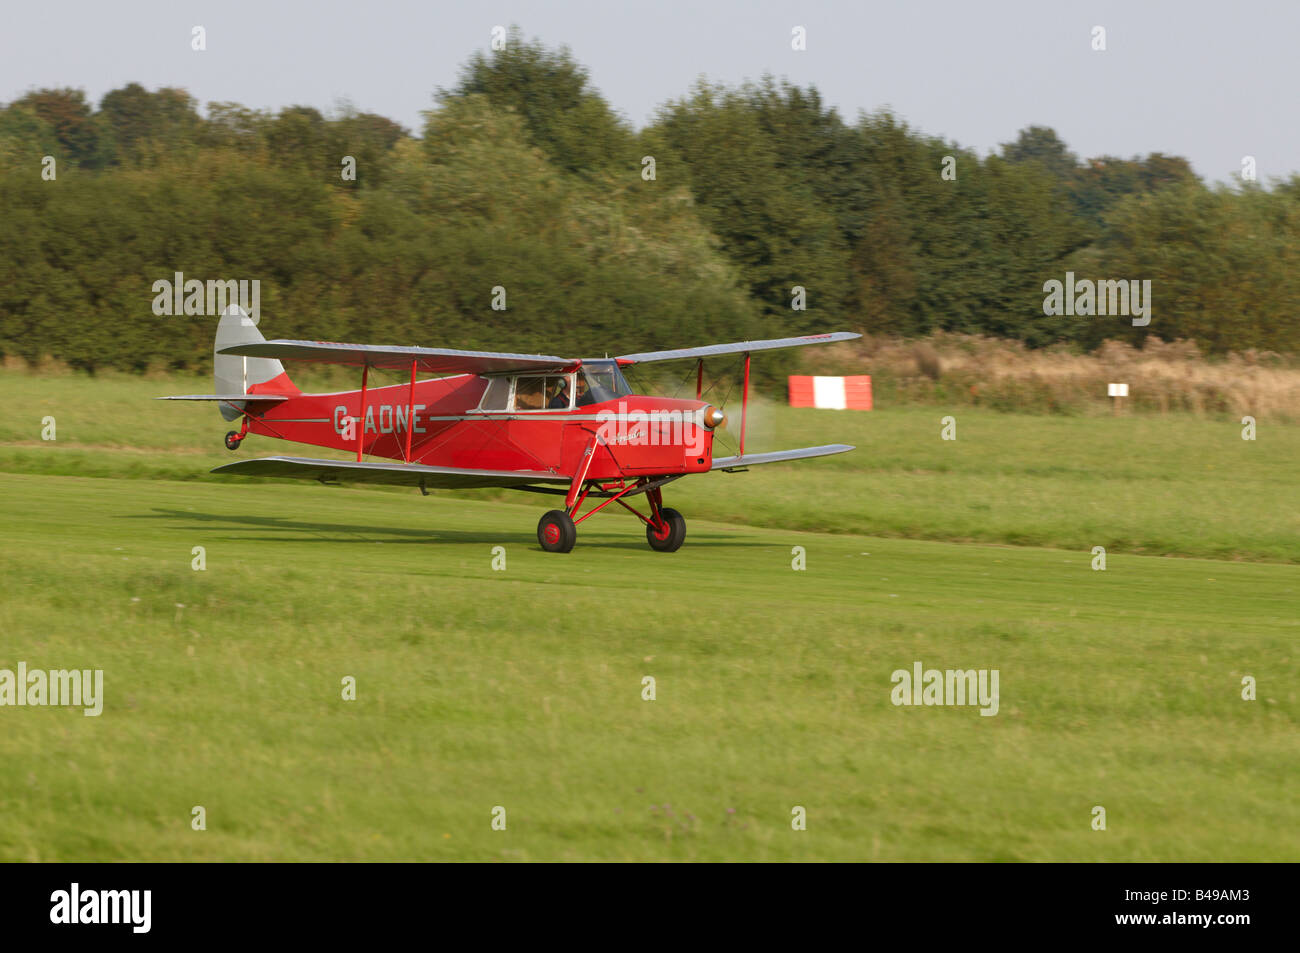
x,y
603,380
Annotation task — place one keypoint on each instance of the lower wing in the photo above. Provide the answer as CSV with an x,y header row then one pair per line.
x,y
778,456
461,478
402,474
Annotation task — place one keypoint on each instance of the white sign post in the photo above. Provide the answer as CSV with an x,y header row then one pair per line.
x,y
1116,392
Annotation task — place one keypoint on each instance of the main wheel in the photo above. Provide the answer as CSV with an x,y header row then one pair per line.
x,y
556,532
673,535
233,440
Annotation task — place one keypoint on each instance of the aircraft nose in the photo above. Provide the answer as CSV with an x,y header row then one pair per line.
x,y
714,418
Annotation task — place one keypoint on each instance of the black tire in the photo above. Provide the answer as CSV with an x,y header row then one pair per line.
x,y
556,532
676,535
233,440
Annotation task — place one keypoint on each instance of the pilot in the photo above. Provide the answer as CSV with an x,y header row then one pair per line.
x,y
584,393
561,399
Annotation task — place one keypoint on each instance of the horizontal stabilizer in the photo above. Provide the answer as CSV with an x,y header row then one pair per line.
x,y
251,398
401,474
740,347
779,456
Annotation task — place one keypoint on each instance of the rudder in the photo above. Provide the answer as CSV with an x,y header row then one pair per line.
x,y
233,374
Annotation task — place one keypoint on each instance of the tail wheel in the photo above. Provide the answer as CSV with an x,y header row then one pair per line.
x,y
233,440
671,537
556,532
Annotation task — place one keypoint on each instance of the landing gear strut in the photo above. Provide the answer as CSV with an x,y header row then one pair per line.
x,y
665,528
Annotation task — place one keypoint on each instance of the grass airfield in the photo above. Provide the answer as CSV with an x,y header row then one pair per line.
x,y
522,688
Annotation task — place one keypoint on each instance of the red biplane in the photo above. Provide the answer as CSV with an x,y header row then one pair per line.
x,y
532,422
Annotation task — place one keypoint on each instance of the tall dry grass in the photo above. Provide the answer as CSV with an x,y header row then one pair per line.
x,y
993,372
947,369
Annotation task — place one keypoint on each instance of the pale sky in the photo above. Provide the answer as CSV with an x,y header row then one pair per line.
x,y
1209,81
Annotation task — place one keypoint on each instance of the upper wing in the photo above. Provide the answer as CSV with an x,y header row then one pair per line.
x,y
404,474
739,347
436,360
753,459
230,398
449,361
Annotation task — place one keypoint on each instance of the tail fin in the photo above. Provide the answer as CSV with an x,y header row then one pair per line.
x,y
236,375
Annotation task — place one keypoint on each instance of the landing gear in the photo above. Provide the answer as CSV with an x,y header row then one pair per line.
x,y
556,532
665,528
670,537
233,440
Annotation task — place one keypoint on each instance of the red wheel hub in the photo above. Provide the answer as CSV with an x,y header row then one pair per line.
x,y
552,533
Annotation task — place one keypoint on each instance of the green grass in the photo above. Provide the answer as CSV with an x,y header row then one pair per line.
x,y
522,688
1159,485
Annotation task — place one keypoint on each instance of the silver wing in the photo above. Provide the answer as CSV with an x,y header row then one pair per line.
x,y
779,456
436,360
402,474
740,347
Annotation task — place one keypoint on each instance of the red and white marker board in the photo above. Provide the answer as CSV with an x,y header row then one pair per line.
x,y
831,393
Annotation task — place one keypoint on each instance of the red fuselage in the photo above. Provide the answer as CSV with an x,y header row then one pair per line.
x,y
642,435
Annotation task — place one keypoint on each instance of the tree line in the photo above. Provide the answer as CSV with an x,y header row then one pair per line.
x,y
529,215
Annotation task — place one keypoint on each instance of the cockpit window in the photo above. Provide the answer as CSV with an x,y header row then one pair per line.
x,y
541,391
597,381
497,395
529,393
558,392
600,381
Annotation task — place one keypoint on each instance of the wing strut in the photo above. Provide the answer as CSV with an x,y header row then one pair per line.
x,y
410,409
361,421
744,404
